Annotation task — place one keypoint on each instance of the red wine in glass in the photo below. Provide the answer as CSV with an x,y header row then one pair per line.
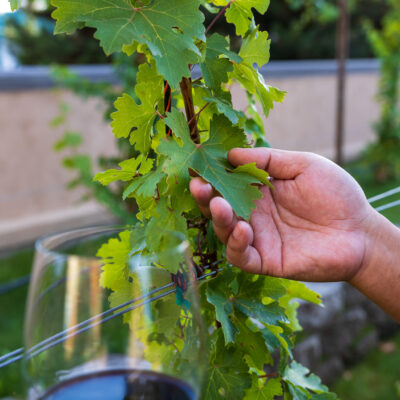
x,y
122,385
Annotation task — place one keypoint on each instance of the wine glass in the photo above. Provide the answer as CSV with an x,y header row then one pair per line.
x,y
106,320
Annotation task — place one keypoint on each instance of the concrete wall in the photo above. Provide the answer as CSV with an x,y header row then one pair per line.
x,y
306,119
33,198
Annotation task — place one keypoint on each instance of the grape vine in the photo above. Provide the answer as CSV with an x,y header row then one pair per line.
x,y
183,127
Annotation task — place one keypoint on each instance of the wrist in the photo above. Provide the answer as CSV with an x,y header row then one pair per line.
x,y
378,275
375,230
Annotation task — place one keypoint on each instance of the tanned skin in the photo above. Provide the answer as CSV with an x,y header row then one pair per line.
x,y
315,225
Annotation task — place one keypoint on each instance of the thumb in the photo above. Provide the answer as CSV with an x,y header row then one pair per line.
x,y
280,164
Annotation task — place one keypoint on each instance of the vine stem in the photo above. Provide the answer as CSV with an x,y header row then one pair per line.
x,y
271,375
217,17
186,89
199,112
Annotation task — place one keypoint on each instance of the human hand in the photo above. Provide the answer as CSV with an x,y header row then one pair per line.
x,y
312,226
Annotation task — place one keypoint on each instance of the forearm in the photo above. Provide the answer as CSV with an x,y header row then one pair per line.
x,y
379,275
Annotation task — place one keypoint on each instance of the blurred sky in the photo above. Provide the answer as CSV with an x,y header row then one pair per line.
x,y
4,6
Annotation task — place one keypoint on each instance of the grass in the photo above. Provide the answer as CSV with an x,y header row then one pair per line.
x,y
376,378
12,306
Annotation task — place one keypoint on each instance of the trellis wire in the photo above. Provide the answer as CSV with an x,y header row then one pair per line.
x,y
387,206
60,337
384,195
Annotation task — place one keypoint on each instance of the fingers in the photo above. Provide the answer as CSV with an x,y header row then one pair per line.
x,y
237,235
280,164
216,208
224,220
239,249
202,193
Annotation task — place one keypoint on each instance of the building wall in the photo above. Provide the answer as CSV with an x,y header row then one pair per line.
x,y
33,197
306,119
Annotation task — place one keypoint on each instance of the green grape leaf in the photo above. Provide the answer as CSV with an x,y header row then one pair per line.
x,y
296,290
224,310
168,28
123,291
168,313
254,125
243,301
264,391
299,375
15,4
115,254
209,161
218,45
199,93
163,314
147,206
144,186
277,338
252,343
255,48
136,120
225,107
215,68
177,124
240,13
300,381
129,169
168,218
252,170
254,83
272,287
268,314
226,375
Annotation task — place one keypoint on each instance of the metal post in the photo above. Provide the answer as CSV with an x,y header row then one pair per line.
x,y
341,52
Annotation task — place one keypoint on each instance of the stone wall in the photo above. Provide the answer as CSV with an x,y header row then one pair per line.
x,y
342,332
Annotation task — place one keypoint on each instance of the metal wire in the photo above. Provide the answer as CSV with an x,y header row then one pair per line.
x,y
95,323
389,205
13,353
90,323
16,355
14,284
384,195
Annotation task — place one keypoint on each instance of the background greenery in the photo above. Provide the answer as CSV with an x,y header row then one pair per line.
x,y
299,29
376,378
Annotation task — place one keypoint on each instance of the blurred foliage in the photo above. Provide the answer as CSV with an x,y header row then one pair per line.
x,y
306,29
300,29
384,154
376,378
31,41
70,143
